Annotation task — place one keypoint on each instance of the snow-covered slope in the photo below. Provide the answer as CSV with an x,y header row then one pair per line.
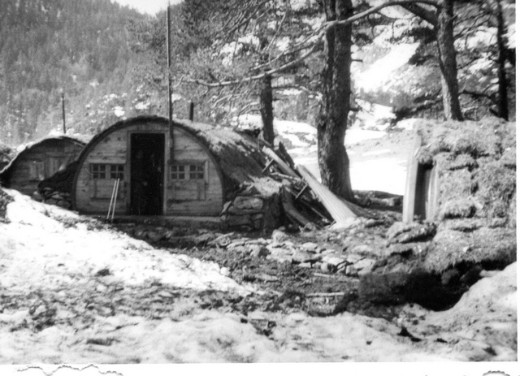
x,y
72,291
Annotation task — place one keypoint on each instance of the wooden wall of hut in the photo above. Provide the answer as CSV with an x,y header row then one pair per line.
x,y
151,184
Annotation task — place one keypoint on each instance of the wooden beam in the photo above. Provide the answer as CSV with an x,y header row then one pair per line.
x,y
269,164
286,169
291,212
338,210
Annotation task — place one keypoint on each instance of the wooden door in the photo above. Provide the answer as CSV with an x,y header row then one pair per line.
x,y
146,173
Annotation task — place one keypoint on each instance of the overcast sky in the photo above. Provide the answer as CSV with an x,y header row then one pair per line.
x,y
147,6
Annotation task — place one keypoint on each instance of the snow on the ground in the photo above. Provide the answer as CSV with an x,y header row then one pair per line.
x,y
38,250
49,252
483,322
371,170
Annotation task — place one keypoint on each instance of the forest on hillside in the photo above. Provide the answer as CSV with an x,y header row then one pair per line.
x,y
80,48
109,61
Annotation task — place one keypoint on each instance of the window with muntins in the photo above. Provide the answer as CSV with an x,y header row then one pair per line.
x,y
187,171
197,172
117,171
178,172
98,171
102,171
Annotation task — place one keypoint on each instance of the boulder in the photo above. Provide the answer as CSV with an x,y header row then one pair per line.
x,y
154,236
309,247
406,233
247,203
278,236
364,266
258,251
406,282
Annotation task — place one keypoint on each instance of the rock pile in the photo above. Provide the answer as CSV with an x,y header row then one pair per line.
x,y
252,211
51,197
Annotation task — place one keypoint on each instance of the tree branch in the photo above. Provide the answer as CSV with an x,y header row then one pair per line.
x,y
421,12
258,76
403,3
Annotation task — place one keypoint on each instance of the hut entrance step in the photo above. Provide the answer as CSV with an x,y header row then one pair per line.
x,y
146,173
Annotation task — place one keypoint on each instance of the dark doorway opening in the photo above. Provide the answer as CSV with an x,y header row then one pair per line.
x,y
425,192
147,165
424,174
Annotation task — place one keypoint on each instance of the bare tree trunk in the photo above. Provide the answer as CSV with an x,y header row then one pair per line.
x,y
335,105
448,61
503,109
266,95
266,108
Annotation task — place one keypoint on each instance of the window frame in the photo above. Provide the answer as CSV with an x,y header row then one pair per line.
x,y
190,170
105,171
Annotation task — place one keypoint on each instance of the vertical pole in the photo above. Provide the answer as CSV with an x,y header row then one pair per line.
x,y
192,108
168,59
63,111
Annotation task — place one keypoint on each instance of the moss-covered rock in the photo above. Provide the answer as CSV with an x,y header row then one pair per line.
x,y
462,208
494,247
496,188
405,233
462,161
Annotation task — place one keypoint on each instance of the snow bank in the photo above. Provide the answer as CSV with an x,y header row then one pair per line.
x,y
483,324
49,246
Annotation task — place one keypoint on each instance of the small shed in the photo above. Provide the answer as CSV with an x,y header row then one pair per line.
x,y
38,161
205,167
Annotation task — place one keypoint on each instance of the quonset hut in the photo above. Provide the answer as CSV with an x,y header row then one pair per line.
x,y
38,161
205,168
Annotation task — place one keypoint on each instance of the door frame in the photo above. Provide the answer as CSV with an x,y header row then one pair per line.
x,y
128,171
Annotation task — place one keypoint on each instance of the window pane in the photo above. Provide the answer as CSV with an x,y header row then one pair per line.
x,y
197,172
177,172
117,171
98,171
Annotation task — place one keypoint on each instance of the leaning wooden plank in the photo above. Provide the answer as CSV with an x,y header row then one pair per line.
x,y
286,169
282,151
338,210
292,213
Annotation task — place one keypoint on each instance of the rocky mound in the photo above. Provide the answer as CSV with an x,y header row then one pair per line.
x,y
474,226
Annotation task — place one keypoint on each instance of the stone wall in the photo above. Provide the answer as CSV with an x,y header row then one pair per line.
x,y
250,210
476,198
